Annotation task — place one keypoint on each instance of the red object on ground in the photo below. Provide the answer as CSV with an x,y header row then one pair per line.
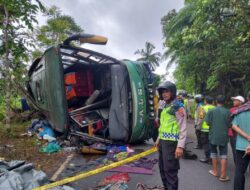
x,y
120,177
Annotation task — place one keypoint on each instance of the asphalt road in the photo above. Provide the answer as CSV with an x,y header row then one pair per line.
x,y
193,174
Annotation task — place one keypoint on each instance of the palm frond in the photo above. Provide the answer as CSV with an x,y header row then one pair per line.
x,y
184,18
169,52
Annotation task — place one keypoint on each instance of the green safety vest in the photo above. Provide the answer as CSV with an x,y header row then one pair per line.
x,y
205,126
185,101
195,112
169,129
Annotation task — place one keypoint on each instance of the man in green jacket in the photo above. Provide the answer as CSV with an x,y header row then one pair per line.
x,y
219,121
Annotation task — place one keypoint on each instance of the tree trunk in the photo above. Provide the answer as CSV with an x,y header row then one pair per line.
x,y
7,70
195,83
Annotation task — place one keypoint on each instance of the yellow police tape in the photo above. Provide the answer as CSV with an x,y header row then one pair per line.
x,y
96,171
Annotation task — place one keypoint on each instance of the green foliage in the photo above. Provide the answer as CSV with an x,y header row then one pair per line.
x,y
15,131
209,41
2,108
57,28
148,55
184,82
15,104
36,53
157,79
17,18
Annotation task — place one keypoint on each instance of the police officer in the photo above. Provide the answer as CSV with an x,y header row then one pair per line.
x,y
205,128
199,100
172,135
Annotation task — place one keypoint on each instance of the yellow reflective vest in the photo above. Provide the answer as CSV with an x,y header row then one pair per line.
x,y
185,102
169,129
205,126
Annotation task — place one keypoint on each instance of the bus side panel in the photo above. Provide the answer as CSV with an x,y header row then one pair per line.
x,y
55,90
119,114
139,128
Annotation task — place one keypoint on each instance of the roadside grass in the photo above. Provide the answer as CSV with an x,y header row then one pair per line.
x,y
15,146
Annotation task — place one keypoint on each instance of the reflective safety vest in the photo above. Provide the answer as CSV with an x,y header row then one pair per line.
x,y
169,129
205,126
196,111
185,101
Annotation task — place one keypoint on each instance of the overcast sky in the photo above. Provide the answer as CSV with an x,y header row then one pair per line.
x,y
128,24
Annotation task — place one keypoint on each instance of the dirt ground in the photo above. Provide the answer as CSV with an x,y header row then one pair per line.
x,y
15,146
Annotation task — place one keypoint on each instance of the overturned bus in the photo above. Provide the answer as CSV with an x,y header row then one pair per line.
x,y
92,96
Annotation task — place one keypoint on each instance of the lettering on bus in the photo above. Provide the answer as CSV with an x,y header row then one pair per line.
x,y
140,104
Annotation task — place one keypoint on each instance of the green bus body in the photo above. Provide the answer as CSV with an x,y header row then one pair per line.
x,y
132,105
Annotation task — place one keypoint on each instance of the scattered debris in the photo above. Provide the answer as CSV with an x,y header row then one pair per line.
x,y
113,182
145,162
115,153
118,186
115,186
46,133
13,147
116,149
132,169
129,149
69,149
141,186
120,156
38,123
120,177
16,175
42,128
89,150
50,147
99,146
